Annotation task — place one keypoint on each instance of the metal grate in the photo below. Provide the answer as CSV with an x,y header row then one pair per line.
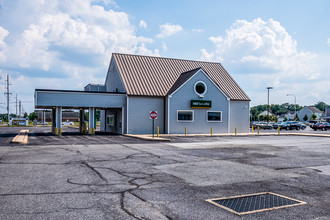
x,y
259,202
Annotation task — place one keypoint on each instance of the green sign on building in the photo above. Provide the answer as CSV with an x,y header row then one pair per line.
x,y
200,104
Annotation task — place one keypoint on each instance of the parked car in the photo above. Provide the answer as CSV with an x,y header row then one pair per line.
x,y
67,123
323,126
290,125
265,126
276,125
312,123
254,124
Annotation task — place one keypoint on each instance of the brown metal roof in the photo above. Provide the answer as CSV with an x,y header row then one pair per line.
x,y
155,76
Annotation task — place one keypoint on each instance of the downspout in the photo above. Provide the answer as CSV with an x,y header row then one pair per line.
x,y
228,99
127,108
168,114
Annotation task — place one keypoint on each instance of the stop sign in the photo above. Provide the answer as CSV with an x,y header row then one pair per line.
x,y
153,115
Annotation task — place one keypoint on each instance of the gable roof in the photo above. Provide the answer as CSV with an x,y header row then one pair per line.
x,y
182,79
155,76
314,109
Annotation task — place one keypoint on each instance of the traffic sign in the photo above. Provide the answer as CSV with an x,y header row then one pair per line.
x,y
153,114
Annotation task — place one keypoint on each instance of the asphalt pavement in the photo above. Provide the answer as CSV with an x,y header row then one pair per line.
x,y
104,176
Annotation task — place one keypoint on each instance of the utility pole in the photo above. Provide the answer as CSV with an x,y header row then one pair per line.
x,y
16,106
20,109
7,93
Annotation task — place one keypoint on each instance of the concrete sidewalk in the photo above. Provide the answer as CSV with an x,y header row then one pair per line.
x,y
167,137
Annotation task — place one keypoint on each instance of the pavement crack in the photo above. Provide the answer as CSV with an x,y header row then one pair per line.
x,y
122,206
95,171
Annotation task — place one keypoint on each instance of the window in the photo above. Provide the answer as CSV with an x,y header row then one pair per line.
x,y
214,116
185,116
200,88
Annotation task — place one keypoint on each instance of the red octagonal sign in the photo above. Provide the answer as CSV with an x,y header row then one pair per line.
x,y
153,115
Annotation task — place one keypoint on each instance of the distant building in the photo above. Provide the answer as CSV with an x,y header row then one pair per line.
x,y
327,115
309,110
290,115
266,113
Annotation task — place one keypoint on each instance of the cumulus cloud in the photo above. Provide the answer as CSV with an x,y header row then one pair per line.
x,y
261,45
64,40
264,53
168,29
72,28
3,46
329,41
143,24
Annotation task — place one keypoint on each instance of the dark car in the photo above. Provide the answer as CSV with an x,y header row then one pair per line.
x,y
276,125
323,126
290,125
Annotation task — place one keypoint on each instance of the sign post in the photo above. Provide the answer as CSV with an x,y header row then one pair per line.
x,y
153,116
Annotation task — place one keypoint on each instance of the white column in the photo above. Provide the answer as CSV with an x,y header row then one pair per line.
x,y
91,120
58,121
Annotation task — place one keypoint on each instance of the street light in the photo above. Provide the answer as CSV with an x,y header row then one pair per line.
x,y
268,88
295,104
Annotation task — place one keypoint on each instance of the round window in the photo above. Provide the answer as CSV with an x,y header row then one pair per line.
x,y
200,88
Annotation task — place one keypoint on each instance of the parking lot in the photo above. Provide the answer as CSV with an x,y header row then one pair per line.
x,y
116,177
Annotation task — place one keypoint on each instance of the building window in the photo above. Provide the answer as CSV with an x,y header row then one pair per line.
x,y
214,116
200,88
185,116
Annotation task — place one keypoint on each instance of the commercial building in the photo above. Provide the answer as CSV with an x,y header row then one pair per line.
x,y
186,94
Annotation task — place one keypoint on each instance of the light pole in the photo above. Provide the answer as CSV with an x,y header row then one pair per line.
x,y
295,104
268,88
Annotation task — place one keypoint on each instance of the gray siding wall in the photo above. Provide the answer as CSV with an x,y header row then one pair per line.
x,y
304,111
240,116
181,101
113,80
139,109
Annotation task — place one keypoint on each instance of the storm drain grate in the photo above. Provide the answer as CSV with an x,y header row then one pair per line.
x,y
259,202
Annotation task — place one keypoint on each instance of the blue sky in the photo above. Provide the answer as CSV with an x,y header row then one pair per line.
x,y
66,44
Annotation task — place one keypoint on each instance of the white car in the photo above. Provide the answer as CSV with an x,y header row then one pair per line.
x,y
67,123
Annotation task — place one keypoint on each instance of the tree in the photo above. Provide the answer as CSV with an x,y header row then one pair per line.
x,y
33,115
285,119
313,116
321,106
305,117
297,117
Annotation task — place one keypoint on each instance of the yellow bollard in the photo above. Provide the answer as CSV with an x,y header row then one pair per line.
x,y
60,131
252,129
258,130
278,129
211,131
235,130
185,131
157,131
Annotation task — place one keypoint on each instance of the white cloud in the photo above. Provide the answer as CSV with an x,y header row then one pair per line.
x,y
68,42
265,54
143,24
3,46
164,47
168,29
329,41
